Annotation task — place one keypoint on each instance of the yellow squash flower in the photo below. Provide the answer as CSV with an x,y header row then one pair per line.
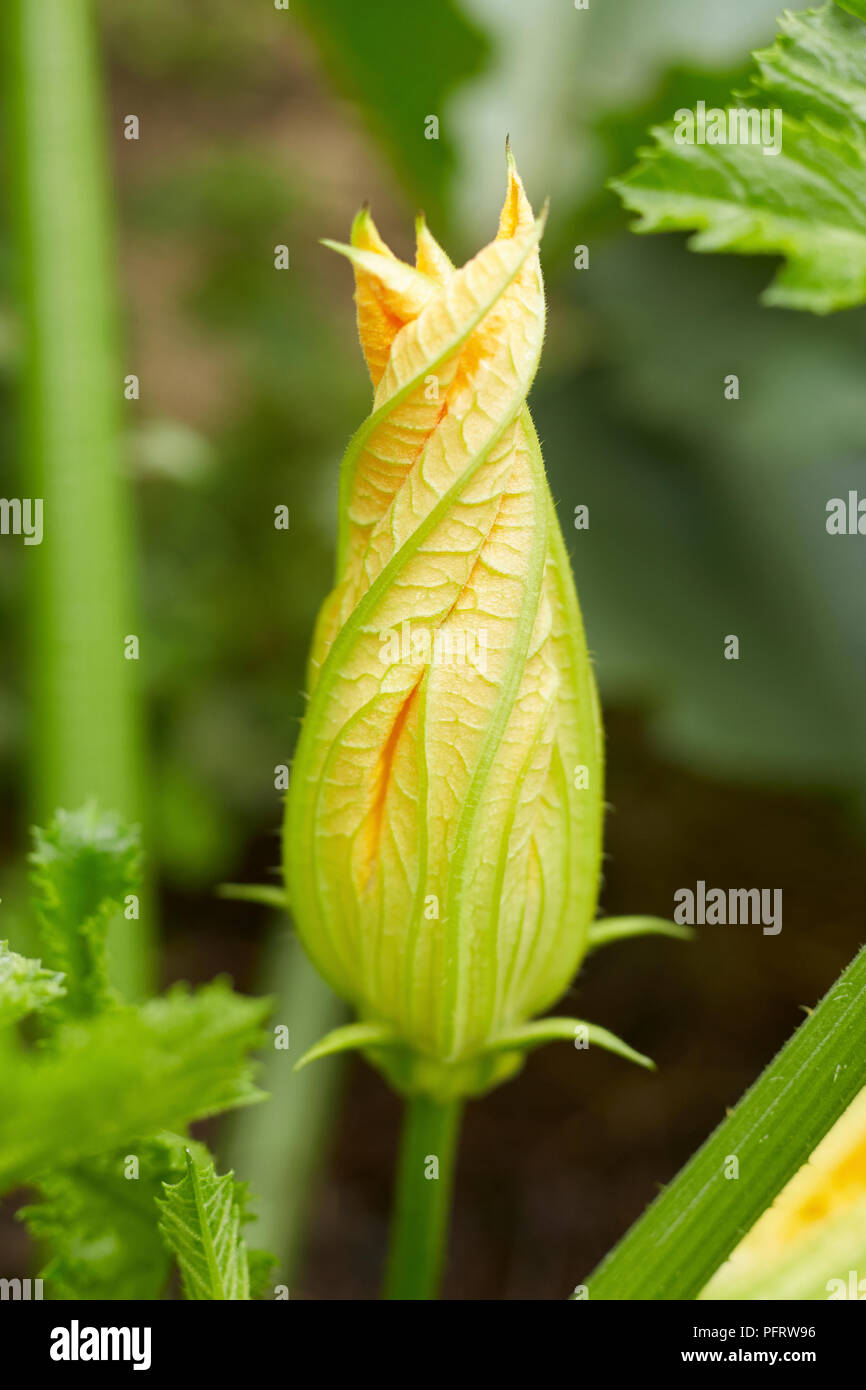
x,y
443,828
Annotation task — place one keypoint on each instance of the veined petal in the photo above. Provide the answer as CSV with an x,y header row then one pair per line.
x,y
430,259
442,861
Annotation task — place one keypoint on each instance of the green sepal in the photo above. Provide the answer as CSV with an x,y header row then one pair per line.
x,y
543,1030
351,1037
608,930
268,894
412,1073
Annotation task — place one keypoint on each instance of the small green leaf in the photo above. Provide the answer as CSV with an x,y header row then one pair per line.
x,y
545,1030
807,202
611,929
83,866
25,985
201,1222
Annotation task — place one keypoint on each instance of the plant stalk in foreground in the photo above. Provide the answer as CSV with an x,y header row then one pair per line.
x,y
85,732
694,1224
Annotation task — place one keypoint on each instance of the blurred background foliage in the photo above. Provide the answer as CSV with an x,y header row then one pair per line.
x,y
260,127
706,515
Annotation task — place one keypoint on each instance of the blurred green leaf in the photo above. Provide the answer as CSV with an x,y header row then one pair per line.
x,y
401,63
707,516
128,1073
82,868
805,200
25,986
566,84
96,1223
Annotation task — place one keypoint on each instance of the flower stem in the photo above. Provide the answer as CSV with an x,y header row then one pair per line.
x,y
422,1201
281,1147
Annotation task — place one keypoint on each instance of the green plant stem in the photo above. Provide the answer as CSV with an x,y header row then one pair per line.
x,y
85,730
280,1147
422,1201
692,1227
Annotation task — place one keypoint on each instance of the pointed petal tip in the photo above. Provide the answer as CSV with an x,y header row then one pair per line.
x,y
365,234
516,215
362,223
430,259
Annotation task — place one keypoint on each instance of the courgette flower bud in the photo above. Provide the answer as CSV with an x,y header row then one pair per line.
x,y
443,829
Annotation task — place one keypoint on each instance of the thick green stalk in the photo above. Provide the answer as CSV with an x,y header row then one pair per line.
x,y
422,1204
692,1227
85,733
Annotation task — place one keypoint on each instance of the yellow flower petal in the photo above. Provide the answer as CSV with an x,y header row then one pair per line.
x,y
441,857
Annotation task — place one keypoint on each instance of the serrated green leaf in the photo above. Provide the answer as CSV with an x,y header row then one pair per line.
x,y
129,1072
201,1221
83,866
96,1223
25,985
808,202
